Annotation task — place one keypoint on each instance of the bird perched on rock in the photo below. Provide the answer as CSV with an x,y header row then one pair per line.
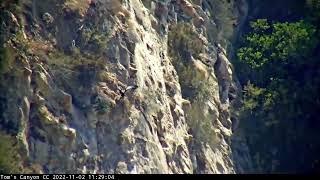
x,y
123,91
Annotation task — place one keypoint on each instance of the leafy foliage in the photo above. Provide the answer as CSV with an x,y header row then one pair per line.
x,y
10,161
183,42
277,42
94,40
101,106
183,38
280,105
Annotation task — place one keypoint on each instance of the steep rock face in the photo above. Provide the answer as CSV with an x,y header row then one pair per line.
x,y
110,86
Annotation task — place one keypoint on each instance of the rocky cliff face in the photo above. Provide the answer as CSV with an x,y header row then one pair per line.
x,y
122,86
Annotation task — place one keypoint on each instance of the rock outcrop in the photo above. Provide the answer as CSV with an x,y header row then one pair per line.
x,y
66,64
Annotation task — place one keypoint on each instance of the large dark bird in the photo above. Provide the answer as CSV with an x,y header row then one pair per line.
x,y
123,92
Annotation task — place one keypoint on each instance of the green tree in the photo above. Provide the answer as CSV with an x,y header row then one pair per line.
x,y
281,105
277,43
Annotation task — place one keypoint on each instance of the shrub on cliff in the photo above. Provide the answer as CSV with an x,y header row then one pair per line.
x,y
183,39
9,156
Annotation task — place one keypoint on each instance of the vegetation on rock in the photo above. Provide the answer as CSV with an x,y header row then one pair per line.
x,y
184,47
10,160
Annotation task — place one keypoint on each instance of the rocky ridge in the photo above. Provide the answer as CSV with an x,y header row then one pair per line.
x,y
123,86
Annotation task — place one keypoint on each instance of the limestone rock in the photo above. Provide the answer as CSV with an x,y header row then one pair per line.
x,y
68,103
